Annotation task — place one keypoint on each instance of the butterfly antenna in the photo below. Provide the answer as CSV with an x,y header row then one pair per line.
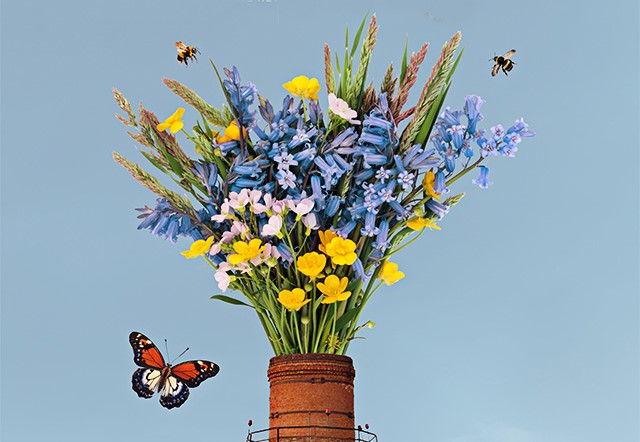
x,y
185,350
166,349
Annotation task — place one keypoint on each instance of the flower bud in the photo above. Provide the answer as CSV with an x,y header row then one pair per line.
x,y
272,262
308,287
304,319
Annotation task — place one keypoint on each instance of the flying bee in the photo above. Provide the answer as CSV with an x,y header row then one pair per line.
x,y
185,53
504,62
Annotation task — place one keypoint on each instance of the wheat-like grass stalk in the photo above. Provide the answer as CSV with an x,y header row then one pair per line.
x,y
410,78
329,78
431,89
355,91
388,85
125,106
152,183
213,115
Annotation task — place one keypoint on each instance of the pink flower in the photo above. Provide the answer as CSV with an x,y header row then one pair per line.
x,y
340,108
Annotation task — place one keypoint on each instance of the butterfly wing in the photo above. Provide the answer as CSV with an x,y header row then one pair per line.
x,y
174,392
145,353
193,373
145,381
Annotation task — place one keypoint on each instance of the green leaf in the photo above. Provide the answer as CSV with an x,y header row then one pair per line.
x,y
153,160
403,72
455,65
230,300
430,119
356,39
224,89
346,318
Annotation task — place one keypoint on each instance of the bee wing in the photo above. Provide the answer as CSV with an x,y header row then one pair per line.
x,y
180,46
494,71
509,54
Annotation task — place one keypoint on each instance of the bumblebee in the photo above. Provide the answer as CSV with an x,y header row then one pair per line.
x,y
186,53
504,62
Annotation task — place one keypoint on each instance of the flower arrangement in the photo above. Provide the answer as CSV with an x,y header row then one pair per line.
x,y
302,213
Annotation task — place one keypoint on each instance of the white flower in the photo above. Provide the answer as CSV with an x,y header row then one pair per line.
x,y
259,208
223,280
237,229
224,213
239,200
302,208
310,221
340,108
273,227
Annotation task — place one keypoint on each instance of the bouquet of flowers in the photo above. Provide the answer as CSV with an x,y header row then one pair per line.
x,y
301,213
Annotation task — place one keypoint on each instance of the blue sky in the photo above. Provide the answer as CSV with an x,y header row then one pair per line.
x,y
518,322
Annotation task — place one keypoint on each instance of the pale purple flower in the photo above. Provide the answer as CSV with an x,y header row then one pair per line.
x,y
310,222
239,200
259,208
302,208
237,229
223,279
273,227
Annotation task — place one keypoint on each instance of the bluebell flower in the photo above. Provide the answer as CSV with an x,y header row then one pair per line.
x,y
487,147
482,180
369,228
166,221
472,106
241,96
437,208
381,242
285,161
497,131
457,135
440,184
333,205
286,179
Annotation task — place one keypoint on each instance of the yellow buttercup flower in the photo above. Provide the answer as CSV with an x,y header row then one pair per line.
x,y
428,182
325,238
245,252
342,251
333,289
311,264
173,123
303,87
389,273
293,300
198,248
420,223
232,132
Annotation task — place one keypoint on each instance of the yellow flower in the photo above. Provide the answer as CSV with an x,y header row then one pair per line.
x,y
342,251
311,264
293,299
245,252
173,123
333,289
232,132
420,223
198,248
303,87
389,273
325,238
428,182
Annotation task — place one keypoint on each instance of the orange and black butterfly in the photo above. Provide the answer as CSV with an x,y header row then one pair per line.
x,y
186,53
157,376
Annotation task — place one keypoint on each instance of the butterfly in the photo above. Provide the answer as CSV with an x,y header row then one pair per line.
x,y
157,376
